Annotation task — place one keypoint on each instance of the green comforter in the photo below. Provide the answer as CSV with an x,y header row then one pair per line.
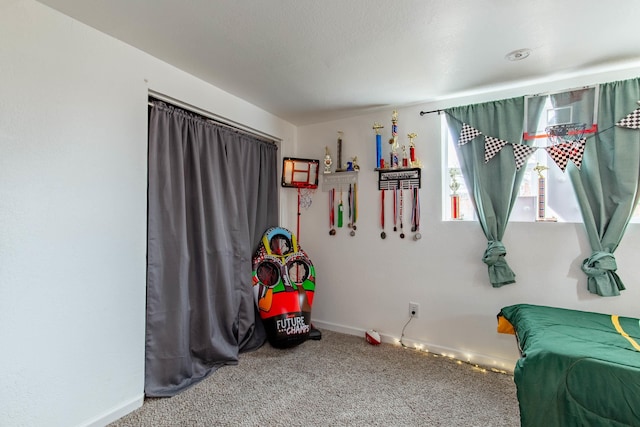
x,y
577,368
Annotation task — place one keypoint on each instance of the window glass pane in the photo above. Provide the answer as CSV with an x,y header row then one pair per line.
x,y
560,203
559,198
454,181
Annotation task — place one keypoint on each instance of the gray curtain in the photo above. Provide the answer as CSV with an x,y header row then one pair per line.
x,y
493,186
212,193
607,184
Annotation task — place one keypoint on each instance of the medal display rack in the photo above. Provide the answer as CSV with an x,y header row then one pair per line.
x,y
398,179
339,180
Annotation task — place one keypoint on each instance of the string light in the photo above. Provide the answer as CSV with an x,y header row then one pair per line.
x,y
422,349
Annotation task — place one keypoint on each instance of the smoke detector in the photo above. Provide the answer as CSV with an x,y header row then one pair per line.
x,y
518,55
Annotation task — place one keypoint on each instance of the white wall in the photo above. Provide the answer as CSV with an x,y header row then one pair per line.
x,y
73,153
365,282
73,228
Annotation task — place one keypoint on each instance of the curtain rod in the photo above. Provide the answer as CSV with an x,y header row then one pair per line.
x,y
422,113
215,118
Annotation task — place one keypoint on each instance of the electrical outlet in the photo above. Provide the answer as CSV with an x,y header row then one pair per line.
x,y
414,309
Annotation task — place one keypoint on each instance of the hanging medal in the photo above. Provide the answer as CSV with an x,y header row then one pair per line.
x,y
395,210
349,201
340,208
332,218
354,206
383,235
415,215
401,211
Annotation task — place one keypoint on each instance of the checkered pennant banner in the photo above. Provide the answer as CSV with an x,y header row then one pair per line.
x,y
521,153
560,154
631,121
577,151
467,134
492,146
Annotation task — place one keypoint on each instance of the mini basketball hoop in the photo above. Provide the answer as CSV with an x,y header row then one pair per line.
x,y
567,132
301,174
561,117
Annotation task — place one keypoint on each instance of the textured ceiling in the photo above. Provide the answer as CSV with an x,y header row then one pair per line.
x,y
310,60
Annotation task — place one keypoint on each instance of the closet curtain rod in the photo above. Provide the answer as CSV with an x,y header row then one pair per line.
x,y
213,118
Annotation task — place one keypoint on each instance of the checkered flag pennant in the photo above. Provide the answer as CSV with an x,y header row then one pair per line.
x,y
577,151
631,121
560,154
467,134
492,146
521,153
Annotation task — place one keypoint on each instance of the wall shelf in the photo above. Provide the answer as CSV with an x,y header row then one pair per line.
x,y
339,180
399,178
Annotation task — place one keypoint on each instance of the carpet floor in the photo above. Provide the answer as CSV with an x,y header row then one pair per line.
x,y
340,380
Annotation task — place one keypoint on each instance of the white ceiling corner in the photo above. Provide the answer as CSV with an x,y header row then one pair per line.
x,y
308,61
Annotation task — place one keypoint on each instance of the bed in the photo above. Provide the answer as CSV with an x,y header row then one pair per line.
x,y
576,368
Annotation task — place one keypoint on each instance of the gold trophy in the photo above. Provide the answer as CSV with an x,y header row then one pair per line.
x,y
354,164
340,166
393,156
542,195
454,185
379,159
415,163
327,160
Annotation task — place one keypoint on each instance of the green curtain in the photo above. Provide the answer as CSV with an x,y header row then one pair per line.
x,y
606,185
493,186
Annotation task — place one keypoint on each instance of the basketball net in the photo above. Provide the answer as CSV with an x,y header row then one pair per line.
x,y
304,201
568,132
306,197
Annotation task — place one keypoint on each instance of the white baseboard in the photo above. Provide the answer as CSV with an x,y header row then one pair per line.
x,y
116,413
481,360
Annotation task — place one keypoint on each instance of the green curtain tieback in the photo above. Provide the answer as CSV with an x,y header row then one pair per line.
x,y
499,271
600,269
495,251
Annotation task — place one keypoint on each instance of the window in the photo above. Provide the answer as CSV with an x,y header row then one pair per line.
x,y
559,202
525,209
